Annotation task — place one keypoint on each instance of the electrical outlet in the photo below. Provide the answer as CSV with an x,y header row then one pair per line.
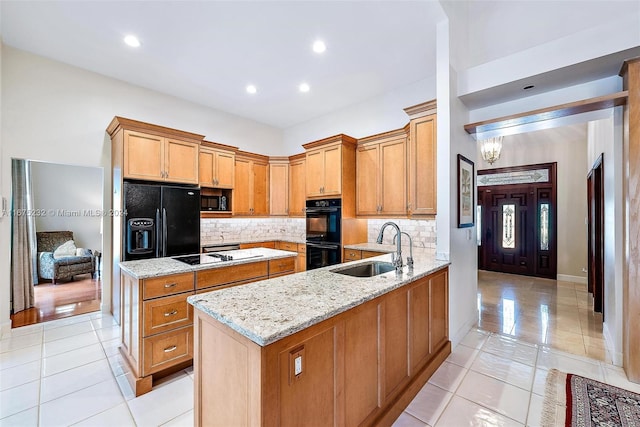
x,y
296,364
297,369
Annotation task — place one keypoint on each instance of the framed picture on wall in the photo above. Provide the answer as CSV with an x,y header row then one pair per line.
x,y
466,206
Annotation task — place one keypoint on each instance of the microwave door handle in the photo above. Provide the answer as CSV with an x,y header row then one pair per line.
x,y
158,241
164,232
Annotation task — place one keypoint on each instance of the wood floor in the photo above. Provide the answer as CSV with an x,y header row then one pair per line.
x,y
65,299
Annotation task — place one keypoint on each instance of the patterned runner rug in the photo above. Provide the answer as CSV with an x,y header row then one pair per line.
x,y
572,400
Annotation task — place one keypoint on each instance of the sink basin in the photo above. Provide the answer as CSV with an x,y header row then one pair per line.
x,y
367,269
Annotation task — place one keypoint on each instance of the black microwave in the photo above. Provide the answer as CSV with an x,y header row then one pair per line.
x,y
213,203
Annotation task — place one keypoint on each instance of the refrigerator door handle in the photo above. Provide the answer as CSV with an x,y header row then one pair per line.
x,y
164,232
158,241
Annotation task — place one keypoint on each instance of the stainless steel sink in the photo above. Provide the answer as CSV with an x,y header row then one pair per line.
x,y
367,269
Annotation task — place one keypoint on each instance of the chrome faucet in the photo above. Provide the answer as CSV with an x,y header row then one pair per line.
x,y
397,260
410,257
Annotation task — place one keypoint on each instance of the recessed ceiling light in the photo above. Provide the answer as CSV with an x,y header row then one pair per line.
x,y
132,41
303,87
251,89
319,46
528,87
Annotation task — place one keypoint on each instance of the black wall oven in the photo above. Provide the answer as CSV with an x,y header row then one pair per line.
x,y
323,232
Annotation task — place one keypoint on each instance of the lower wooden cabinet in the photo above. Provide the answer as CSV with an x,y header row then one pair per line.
x,y
166,350
361,367
269,244
356,254
301,262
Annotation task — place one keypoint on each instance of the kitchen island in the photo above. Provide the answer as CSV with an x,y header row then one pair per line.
x,y
320,347
157,321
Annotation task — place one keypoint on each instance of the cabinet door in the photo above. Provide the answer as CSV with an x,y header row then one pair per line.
x,y
143,156
181,161
332,171
242,191
419,315
297,190
393,179
225,169
395,342
315,173
279,189
367,180
260,189
206,159
361,365
422,167
439,310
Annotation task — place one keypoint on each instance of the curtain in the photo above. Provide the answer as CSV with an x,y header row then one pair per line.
x,y
22,238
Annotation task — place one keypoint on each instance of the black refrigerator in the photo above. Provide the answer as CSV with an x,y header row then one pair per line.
x,y
160,221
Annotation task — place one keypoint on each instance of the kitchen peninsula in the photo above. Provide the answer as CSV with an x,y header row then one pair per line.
x,y
320,347
157,322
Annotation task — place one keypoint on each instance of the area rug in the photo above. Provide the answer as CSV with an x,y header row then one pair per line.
x,y
571,400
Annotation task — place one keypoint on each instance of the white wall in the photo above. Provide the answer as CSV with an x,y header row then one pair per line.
x,y
377,115
72,198
56,113
568,147
605,137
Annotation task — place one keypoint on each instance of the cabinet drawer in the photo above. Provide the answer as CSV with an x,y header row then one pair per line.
x,y
269,245
164,350
288,246
277,266
164,314
369,254
167,285
352,255
233,273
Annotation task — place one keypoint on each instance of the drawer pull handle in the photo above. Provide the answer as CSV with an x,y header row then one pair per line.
x,y
170,349
171,313
170,285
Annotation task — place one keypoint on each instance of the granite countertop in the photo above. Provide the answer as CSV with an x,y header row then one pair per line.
x,y
270,310
154,267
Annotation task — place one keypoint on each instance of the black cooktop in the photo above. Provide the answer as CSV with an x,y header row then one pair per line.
x,y
189,259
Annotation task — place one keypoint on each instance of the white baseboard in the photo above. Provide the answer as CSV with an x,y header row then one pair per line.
x,y
616,356
569,278
462,332
5,327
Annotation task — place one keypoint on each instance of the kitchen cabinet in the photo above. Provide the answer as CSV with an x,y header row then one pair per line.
x,y
157,326
381,180
157,158
216,165
287,246
297,185
301,261
250,194
282,267
330,167
153,153
422,159
361,367
278,186
356,254
269,244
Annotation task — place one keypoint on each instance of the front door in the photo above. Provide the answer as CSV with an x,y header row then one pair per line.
x,y
517,228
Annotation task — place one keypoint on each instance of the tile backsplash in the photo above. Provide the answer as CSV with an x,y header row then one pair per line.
x,y
215,231
422,231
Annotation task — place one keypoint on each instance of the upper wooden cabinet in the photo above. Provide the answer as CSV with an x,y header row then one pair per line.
x,y
422,159
381,180
279,186
331,167
217,165
297,185
154,153
251,195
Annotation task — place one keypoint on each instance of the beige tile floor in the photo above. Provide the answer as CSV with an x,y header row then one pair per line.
x,y
541,311
69,372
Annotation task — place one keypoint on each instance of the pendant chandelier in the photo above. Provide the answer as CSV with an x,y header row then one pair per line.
x,y
490,149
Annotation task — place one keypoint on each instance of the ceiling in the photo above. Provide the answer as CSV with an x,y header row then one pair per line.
x,y
207,52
